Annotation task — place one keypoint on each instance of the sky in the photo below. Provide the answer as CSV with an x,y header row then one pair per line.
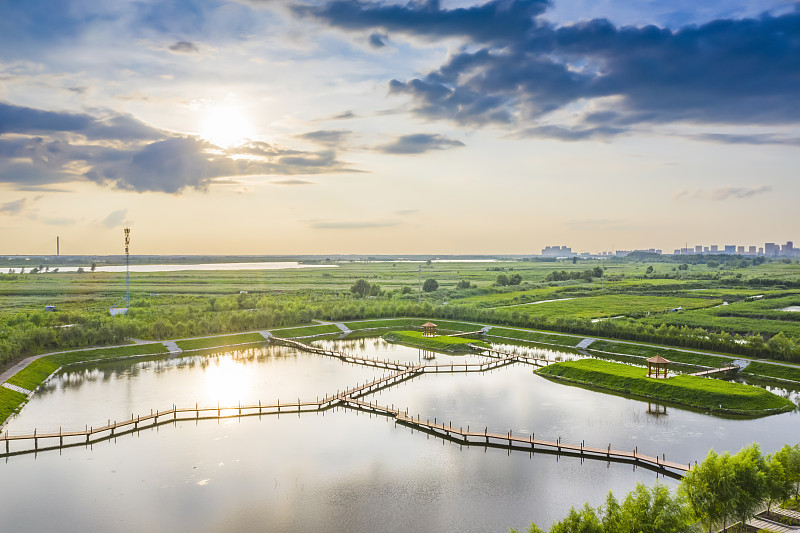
x,y
270,127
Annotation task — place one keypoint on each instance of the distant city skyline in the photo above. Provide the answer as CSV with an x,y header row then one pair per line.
x,y
368,127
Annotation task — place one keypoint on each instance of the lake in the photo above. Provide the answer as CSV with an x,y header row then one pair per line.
x,y
339,470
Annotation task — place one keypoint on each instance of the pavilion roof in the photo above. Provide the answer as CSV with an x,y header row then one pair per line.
x,y
429,325
658,359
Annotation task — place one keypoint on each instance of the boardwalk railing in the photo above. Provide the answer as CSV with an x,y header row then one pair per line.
x,y
713,371
350,398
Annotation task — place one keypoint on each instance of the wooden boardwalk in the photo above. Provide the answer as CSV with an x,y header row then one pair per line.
x,y
713,371
351,398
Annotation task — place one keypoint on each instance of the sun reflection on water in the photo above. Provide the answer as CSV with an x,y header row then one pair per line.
x,y
227,381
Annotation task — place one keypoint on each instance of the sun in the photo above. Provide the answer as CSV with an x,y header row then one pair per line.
x,y
226,126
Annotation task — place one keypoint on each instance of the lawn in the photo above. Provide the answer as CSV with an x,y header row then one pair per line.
x,y
224,340
773,371
306,331
440,343
615,305
9,401
703,393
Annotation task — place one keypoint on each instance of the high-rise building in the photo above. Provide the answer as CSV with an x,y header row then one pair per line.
x,y
771,249
751,250
714,249
730,248
698,249
740,249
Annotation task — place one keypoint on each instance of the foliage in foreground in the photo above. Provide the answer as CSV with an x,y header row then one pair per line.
x,y
722,490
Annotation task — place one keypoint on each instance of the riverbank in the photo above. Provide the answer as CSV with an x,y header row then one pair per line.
x,y
701,393
440,343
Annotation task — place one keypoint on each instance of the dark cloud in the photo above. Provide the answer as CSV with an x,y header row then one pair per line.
x,y
419,143
345,116
754,138
184,47
492,21
50,147
327,137
27,120
571,134
13,207
723,193
378,40
727,71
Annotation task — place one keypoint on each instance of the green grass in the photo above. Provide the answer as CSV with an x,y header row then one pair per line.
x,y
535,336
773,371
702,393
34,374
224,340
9,402
441,343
100,354
384,323
650,351
615,305
306,331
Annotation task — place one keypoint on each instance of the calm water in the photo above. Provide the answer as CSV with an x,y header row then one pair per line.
x,y
337,471
278,265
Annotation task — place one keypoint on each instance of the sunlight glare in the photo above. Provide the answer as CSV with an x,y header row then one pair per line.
x,y
226,126
226,381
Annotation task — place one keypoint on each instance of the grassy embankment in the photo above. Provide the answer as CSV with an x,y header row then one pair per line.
x,y
217,342
702,393
305,331
773,371
441,343
39,370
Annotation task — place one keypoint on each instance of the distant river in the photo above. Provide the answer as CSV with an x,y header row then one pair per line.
x,y
202,266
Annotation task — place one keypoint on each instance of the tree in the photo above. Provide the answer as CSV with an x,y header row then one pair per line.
x,y
515,279
777,487
430,285
360,288
789,457
463,284
710,491
80,270
94,266
405,290
502,280
749,478
649,270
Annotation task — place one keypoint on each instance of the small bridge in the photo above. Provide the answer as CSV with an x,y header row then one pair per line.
x,y
712,371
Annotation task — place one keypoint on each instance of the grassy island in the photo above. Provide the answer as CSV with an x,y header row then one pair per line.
x,y
703,393
440,343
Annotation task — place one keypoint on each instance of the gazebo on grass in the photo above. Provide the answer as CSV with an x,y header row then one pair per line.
x,y
429,329
657,367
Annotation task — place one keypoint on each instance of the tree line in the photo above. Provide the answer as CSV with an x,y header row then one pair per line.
x,y
721,491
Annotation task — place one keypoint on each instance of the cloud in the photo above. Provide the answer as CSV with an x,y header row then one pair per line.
x,y
517,68
184,47
30,121
14,207
115,219
354,225
419,143
327,137
378,40
723,193
485,23
346,115
571,134
118,150
292,181
757,139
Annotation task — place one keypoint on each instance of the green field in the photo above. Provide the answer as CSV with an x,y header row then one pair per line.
x,y
35,373
225,340
773,371
307,331
173,305
701,393
440,343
